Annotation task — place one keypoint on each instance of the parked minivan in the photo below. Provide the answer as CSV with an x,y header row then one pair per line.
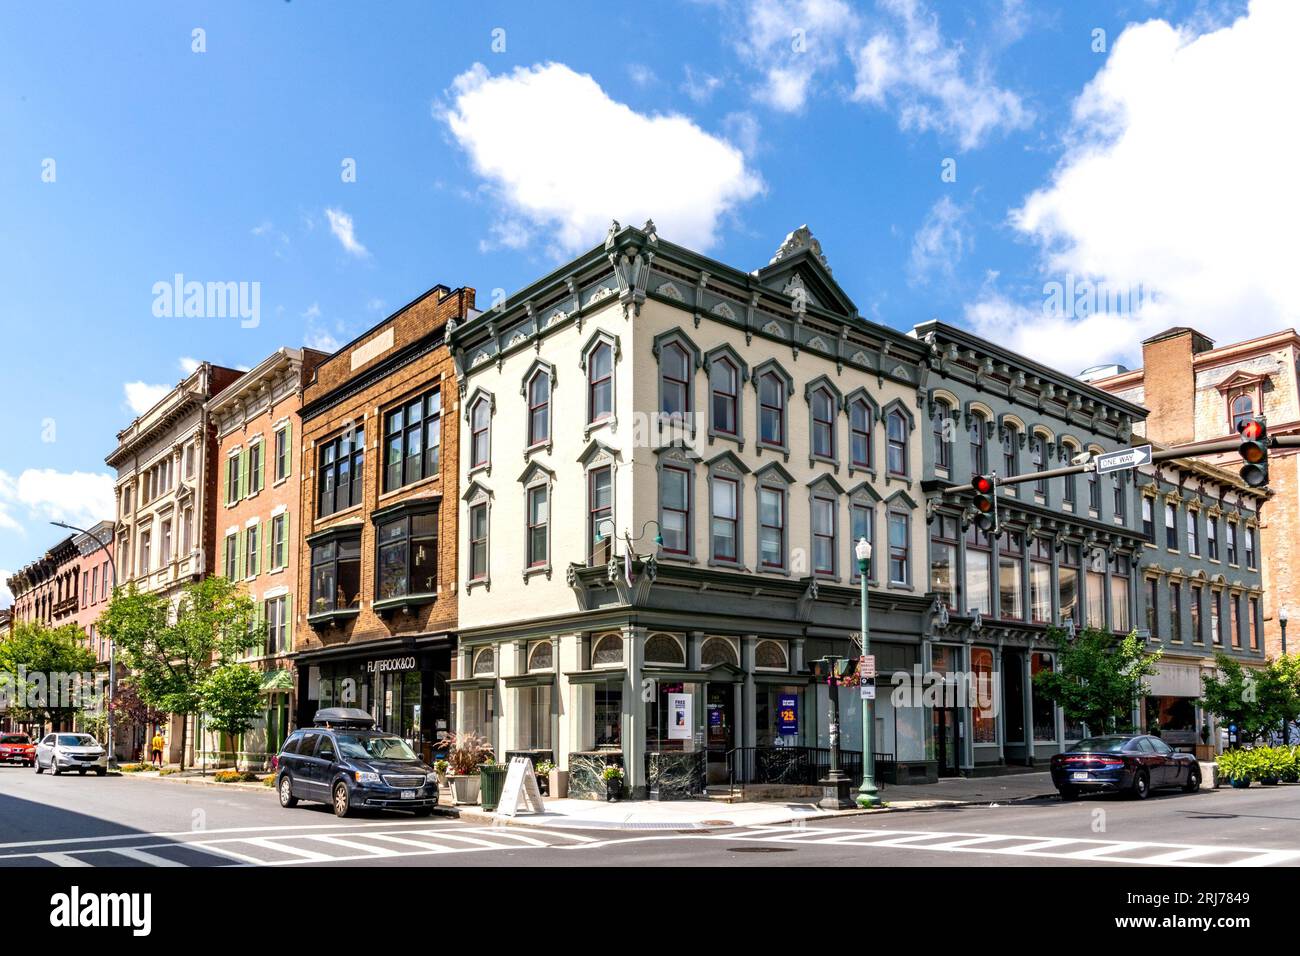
x,y
345,762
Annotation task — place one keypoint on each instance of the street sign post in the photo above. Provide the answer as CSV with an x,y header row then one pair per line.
x,y
1123,459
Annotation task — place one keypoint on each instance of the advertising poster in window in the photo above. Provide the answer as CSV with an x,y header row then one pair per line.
x,y
787,715
679,716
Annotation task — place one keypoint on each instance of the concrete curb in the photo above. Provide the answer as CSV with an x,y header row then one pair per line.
x,y
201,782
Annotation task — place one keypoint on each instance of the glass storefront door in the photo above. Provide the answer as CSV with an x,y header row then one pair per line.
x,y
720,727
946,740
397,705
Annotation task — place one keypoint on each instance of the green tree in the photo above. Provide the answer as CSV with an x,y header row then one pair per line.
x,y
1254,699
46,673
170,654
1099,677
232,699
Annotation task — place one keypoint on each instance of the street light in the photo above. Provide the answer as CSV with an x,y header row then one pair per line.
x,y
1286,721
867,795
112,645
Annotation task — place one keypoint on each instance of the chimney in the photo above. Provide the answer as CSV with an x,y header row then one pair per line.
x,y
1169,384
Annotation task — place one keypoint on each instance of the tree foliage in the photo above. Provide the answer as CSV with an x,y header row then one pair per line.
x,y
1256,700
170,653
1099,677
43,672
232,698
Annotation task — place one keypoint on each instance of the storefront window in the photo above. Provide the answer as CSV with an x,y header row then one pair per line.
x,y
943,559
1010,562
533,717
608,714
1040,580
1120,594
983,704
776,723
1096,583
336,575
667,729
1068,580
479,709
979,567
1044,711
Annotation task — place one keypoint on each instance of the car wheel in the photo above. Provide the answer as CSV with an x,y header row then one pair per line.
x,y
423,811
1069,793
342,802
1142,785
37,764
287,799
1193,781
54,766
101,771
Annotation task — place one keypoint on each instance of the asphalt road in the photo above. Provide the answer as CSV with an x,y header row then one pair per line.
x,y
124,821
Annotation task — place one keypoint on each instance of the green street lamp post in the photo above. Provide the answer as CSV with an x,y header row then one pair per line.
x,y
867,797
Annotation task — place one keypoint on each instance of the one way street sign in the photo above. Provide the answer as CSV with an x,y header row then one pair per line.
x,y
1124,458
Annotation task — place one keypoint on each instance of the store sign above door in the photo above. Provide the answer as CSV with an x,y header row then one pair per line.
x,y
390,664
1124,458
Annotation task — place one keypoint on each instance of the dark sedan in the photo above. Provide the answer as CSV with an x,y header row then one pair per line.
x,y
1123,763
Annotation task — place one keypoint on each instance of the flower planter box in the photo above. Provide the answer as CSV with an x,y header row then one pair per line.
x,y
559,783
464,788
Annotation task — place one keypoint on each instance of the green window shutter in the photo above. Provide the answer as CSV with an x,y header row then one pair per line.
x,y
288,621
241,555
268,542
287,532
288,448
225,482
243,474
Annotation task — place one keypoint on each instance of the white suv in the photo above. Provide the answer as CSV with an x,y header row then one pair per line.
x,y
79,752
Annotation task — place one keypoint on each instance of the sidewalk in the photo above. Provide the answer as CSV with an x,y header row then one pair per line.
x,y
193,776
707,814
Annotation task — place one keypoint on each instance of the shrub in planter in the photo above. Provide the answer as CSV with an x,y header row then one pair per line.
x,y
613,777
1235,767
1273,763
543,771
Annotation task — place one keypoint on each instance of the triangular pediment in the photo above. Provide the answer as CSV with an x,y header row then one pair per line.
x,y
800,269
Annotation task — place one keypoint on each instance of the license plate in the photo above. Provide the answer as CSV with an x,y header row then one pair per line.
x,y
1079,775
408,794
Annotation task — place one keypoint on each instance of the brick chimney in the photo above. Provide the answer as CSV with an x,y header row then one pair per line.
x,y
1169,385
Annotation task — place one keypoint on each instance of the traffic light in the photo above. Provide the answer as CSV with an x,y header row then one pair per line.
x,y
986,503
1254,451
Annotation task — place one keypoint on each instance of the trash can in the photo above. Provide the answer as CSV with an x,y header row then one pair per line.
x,y
492,779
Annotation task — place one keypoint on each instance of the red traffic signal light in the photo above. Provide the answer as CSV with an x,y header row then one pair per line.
x,y
986,503
1254,451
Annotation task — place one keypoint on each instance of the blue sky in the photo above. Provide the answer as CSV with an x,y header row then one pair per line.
x,y
1126,144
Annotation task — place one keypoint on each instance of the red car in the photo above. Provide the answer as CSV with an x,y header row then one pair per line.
x,y
17,748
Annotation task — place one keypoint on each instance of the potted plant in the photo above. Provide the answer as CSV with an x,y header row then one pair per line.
x,y
1271,765
543,771
1291,764
613,777
465,753
440,768
1235,767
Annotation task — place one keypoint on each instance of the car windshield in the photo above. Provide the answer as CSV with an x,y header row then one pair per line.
x,y
76,740
1101,745
376,747
15,739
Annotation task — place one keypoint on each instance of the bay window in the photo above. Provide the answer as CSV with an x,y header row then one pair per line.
x,y
336,575
407,561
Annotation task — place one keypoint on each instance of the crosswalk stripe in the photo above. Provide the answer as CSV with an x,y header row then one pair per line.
x,y
475,840
1267,858
404,841
140,856
62,859
352,844
269,844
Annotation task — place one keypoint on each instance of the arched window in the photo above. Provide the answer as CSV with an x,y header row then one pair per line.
x,y
480,418
1010,451
896,426
1069,495
608,650
674,385
539,408
541,657
771,655
664,649
823,424
939,428
484,662
771,409
1243,408
860,434
718,650
600,383
979,451
723,379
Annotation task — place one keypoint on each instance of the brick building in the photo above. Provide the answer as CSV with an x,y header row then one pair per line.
x,y
377,626
257,528
1197,392
95,561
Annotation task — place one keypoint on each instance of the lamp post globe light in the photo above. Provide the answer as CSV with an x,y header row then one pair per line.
x,y
867,794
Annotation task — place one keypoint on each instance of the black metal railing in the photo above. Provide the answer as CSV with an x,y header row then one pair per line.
x,y
797,766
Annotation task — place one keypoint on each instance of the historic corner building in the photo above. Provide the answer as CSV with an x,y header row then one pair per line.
x,y
1199,392
378,484
758,426
1071,552
166,489
257,532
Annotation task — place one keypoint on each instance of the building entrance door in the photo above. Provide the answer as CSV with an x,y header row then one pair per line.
x,y
719,728
946,740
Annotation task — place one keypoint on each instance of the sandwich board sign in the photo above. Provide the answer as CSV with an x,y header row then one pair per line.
x,y
521,782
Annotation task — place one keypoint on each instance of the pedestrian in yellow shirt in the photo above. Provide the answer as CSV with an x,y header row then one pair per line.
x,y
156,748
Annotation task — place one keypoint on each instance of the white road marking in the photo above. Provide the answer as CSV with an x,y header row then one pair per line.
x,y
277,847
140,856
351,844
62,859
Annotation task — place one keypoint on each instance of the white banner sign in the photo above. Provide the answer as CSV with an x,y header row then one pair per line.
x,y
679,716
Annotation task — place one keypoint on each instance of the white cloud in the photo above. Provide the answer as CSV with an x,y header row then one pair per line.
x,y
312,311
344,231
910,65
1175,182
743,129
632,167
641,74
77,497
321,340
791,41
700,87
141,396
941,241
188,366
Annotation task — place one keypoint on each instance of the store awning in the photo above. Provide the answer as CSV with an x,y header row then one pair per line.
x,y
277,680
